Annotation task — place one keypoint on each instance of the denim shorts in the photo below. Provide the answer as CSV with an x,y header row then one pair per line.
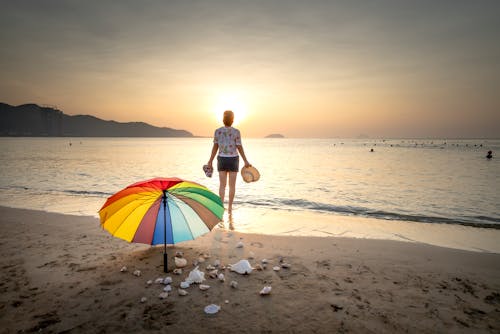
x,y
228,164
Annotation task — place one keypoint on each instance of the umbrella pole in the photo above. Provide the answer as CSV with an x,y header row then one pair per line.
x,y
165,257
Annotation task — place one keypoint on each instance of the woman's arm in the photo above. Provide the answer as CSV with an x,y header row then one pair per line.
x,y
212,155
242,153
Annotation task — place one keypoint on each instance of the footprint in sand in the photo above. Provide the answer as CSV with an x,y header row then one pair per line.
x,y
325,264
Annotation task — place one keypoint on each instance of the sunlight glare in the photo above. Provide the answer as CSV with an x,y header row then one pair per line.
x,y
234,102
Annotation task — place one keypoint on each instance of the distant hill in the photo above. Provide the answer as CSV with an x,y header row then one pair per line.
x,y
31,120
275,135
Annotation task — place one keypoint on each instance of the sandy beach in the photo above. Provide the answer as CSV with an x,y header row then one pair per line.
x,y
61,274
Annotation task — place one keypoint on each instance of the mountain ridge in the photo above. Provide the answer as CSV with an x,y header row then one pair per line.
x,y
32,120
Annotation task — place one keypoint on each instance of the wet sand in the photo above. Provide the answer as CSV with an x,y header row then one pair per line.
x,y
61,273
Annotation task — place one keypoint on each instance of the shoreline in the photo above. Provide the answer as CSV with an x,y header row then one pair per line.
x,y
62,273
316,224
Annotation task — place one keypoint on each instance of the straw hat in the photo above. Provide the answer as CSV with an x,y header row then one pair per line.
x,y
250,174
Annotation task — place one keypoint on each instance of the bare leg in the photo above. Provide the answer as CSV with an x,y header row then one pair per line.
x,y
232,190
222,185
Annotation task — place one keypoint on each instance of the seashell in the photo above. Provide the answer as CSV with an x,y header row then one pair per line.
x,y
124,269
149,282
221,277
177,271
182,292
179,254
242,267
180,262
163,295
204,287
217,263
210,267
137,273
212,309
239,244
167,280
285,265
251,255
159,280
259,267
213,274
266,290
143,299
184,285
226,301
167,288
233,284
276,268
264,261
195,276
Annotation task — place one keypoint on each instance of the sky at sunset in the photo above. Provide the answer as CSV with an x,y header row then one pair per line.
x,y
300,68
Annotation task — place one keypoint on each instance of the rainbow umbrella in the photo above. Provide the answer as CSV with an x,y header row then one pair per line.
x,y
161,211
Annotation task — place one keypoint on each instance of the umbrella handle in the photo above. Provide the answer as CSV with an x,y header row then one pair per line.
x,y
165,258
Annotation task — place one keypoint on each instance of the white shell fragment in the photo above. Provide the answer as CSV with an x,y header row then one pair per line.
x,y
210,267
159,280
264,261
221,277
204,287
239,244
178,271
195,276
137,273
163,295
212,309
149,282
182,292
143,299
167,288
167,280
184,285
226,301
276,268
213,274
180,262
242,267
233,284
217,263
265,290
124,269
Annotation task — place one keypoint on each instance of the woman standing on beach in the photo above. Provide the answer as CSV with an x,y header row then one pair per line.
x,y
227,141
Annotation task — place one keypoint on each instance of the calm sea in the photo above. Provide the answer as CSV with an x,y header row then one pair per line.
x,y
436,181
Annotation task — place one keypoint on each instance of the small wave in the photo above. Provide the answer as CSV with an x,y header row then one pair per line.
x,y
88,192
301,204
92,193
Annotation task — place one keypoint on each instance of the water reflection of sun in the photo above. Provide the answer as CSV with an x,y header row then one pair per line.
x,y
233,102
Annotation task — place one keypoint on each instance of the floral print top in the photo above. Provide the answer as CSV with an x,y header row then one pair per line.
x,y
227,138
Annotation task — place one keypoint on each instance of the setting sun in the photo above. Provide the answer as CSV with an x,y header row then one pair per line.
x,y
234,102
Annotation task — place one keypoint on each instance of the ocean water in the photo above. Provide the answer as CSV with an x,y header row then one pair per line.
x,y
433,181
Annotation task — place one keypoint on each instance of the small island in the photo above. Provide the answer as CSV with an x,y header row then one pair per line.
x,y
275,135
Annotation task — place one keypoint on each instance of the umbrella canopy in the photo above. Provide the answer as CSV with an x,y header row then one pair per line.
x,y
161,211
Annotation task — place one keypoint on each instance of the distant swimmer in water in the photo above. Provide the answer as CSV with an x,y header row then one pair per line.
x,y
489,155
